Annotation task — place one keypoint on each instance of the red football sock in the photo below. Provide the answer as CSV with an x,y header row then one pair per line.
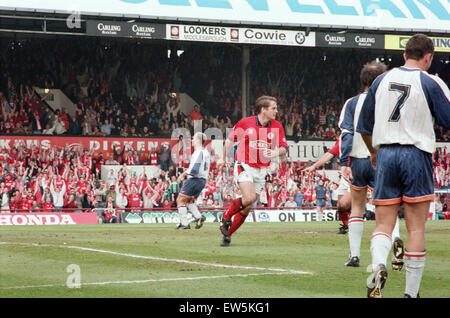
x,y
238,220
344,216
235,207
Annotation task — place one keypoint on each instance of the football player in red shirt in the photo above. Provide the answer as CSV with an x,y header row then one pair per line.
x,y
261,138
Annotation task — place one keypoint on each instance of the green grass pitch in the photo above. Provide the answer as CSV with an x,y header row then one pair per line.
x,y
265,260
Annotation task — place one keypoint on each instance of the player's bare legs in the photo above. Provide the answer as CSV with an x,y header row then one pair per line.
x,y
380,245
415,216
344,202
182,202
199,218
319,213
228,225
356,225
185,204
248,193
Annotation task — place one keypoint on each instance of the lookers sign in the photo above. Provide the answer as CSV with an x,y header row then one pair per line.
x,y
410,15
224,34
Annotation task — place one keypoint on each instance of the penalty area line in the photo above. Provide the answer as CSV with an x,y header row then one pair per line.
x,y
148,280
162,259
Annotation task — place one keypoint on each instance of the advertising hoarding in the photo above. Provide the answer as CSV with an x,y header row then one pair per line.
x,y
52,218
224,34
398,42
350,40
125,29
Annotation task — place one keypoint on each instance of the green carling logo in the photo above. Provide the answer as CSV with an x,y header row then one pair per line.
x,y
402,41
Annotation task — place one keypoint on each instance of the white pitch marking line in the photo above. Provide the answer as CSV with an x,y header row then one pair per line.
x,y
167,259
148,280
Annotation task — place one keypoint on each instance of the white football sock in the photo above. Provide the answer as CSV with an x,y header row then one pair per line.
x,y
192,207
414,264
355,232
182,210
396,231
380,245
319,216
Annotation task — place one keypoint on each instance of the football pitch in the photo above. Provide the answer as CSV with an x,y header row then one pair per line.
x,y
265,260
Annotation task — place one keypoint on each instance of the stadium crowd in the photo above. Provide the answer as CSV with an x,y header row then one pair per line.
x,y
126,90
123,89
55,178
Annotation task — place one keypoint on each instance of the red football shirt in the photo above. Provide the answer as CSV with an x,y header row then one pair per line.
x,y
253,138
134,200
82,187
336,149
47,207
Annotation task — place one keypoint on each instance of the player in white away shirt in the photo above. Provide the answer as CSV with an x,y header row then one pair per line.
x,y
197,173
396,123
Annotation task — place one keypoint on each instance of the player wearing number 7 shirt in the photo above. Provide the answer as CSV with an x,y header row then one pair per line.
x,y
261,138
397,125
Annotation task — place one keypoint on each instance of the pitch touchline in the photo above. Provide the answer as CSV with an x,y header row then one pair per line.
x,y
280,270
148,280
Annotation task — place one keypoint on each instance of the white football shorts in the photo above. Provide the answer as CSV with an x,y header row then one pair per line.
x,y
344,186
245,173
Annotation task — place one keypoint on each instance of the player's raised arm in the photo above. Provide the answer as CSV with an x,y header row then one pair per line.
x,y
235,135
326,157
226,148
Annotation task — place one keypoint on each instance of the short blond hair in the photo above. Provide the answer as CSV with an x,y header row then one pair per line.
x,y
200,136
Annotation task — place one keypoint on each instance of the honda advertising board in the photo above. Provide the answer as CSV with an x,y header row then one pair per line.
x,y
51,218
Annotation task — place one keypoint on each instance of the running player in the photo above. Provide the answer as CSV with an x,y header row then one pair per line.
x,y
357,169
261,138
396,123
344,198
197,173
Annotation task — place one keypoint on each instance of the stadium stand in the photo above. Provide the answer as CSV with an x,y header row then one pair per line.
x,y
123,90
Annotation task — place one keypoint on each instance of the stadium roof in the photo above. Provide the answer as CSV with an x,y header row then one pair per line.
x,y
374,15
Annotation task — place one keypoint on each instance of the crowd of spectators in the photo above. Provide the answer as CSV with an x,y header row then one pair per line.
x,y
132,90
52,179
442,168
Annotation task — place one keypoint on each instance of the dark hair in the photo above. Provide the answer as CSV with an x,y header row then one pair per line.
x,y
370,72
417,46
263,101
